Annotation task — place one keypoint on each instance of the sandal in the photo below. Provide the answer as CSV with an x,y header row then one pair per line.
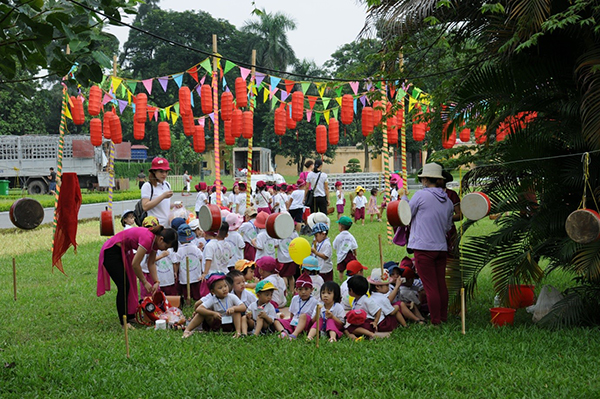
x,y
292,337
283,335
187,334
332,340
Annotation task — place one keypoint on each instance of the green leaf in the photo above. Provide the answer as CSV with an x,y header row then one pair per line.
x,y
102,59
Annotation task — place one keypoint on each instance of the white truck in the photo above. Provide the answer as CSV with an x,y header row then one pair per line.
x,y
27,160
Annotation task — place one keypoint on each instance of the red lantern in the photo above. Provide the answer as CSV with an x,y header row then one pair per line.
x,y
448,141
236,123
229,139
347,109
367,121
247,124
480,136
297,106
96,132
465,135
141,106
289,122
164,135
185,100
321,139
392,130
188,124
400,118
77,111
95,101
226,105
280,121
241,93
334,131
106,124
377,113
199,141
206,99
116,135
139,130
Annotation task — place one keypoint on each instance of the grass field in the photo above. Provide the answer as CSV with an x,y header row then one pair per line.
x,y
60,340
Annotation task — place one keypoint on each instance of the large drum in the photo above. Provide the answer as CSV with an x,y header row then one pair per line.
x,y
209,217
583,226
280,225
26,213
398,213
475,205
107,223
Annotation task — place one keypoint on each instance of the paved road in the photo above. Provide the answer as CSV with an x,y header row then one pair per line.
x,y
90,211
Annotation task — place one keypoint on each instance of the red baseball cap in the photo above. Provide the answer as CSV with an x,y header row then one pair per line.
x,y
267,263
354,267
160,164
356,317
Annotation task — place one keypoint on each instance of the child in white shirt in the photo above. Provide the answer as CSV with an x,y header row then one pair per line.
x,y
248,231
261,314
358,205
267,268
345,245
188,255
332,316
287,267
216,256
265,244
354,268
167,271
199,240
322,250
262,198
235,239
301,309
357,288
201,197
340,201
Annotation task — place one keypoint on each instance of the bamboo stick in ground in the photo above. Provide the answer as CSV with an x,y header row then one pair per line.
x,y
14,279
462,310
318,323
125,326
380,255
187,273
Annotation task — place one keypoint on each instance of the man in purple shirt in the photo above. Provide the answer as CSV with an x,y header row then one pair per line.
x,y
432,212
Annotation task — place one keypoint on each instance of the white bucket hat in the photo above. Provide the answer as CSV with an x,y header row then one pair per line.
x,y
432,170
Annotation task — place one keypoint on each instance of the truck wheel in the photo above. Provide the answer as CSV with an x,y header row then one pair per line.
x,y
36,187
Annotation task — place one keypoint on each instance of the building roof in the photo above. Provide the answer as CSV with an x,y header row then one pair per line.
x,y
139,147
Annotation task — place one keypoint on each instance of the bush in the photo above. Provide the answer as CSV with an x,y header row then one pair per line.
x,y
353,166
130,170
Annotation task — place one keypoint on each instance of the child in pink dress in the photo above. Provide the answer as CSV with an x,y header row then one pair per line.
x,y
372,208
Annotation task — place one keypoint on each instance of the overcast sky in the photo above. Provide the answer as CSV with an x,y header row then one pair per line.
x,y
322,26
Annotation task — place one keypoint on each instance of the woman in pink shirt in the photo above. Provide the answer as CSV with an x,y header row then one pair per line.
x,y
119,262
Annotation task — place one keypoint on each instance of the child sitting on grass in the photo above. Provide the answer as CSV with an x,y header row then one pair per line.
x,y
219,311
333,315
238,287
404,291
310,266
261,314
357,288
345,245
380,289
246,267
216,256
287,267
301,308
267,268
354,268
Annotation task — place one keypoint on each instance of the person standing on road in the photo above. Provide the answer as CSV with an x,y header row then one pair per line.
x,y
52,182
141,177
318,183
156,192
186,183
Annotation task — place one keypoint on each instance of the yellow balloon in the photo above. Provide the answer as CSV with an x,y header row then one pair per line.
x,y
299,249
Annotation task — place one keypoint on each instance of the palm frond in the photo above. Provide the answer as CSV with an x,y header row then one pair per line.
x,y
580,306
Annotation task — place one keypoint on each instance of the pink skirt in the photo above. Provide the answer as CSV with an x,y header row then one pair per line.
x,y
330,325
287,324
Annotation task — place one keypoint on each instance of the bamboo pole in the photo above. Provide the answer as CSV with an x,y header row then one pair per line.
x,y
318,323
126,335
380,255
250,140
215,88
462,310
187,274
14,279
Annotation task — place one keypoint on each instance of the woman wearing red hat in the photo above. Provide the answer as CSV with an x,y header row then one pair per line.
x,y
156,192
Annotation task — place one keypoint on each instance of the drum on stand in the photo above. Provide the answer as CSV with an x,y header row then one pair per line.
x,y
475,205
26,213
583,226
280,225
107,223
209,217
398,213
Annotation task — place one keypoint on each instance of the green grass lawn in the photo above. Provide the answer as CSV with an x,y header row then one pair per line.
x,y
60,340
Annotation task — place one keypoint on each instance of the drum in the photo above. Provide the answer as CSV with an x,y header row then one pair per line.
x,y
475,205
280,225
26,213
209,217
107,226
398,213
583,226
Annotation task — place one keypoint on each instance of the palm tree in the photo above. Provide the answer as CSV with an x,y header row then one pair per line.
x,y
534,58
271,43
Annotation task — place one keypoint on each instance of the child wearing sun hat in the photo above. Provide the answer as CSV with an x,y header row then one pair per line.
x,y
310,266
390,315
267,268
127,219
358,205
234,238
262,314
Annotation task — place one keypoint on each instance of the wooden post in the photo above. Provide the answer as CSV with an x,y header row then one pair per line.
x,y
126,335
462,310
14,279
318,323
187,273
380,255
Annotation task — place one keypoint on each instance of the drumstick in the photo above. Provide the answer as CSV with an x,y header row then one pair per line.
x,y
380,255
15,279
187,273
462,309
318,323
126,334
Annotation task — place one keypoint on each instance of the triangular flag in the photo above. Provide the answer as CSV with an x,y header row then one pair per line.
x,y
312,101
369,86
199,90
274,82
335,112
163,114
308,115
106,99
273,102
305,86
378,85
68,112
259,78
163,83
212,117
321,87
244,72
176,106
355,105
273,92
148,85
132,84
156,115
115,83
265,95
411,103
339,101
178,78
289,85
317,118
354,87
202,80
326,102
122,105
228,66
363,100
201,122
416,92
254,91
206,65
326,116
123,90
192,100
284,95
174,116
129,99
150,111
338,91
400,95
224,82
168,112
193,72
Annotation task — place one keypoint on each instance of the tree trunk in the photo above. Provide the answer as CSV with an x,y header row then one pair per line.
x,y
366,146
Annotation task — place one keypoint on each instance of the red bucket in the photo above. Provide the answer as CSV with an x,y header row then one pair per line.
x,y
502,316
520,296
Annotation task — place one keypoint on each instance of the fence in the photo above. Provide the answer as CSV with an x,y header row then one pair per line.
x,y
366,180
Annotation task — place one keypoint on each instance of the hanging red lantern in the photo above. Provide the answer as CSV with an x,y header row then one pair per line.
x,y
96,132
400,118
77,111
321,139
206,100
392,130
280,121
139,130
185,100
377,113
199,140
247,124
289,122
367,121
141,106
465,135
480,136
448,140
106,124
188,124
95,101
241,93
226,105
229,139
347,109
116,134
334,131
419,131
236,123
164,135
297,106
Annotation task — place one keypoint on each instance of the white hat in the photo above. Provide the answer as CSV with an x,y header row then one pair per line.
x,y
432,170
317,217
194,224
